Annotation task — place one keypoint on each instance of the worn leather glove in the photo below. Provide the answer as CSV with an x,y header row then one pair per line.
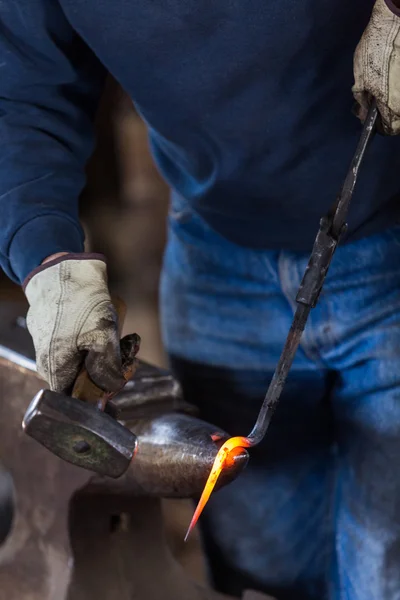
x,y
71,319
377,66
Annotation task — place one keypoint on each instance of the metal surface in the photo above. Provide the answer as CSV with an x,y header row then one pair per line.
x,y
17,359
331,229
68,536
152,391
35,557
80,433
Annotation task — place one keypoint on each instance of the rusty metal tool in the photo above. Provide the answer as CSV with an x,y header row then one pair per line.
x,y
332,228
80,433
76,428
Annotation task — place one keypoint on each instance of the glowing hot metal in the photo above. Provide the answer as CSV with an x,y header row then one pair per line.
x,y
231,448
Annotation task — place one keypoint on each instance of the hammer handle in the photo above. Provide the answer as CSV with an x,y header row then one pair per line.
x,y
84,388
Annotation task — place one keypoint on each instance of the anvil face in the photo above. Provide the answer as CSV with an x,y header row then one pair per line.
x,y
176,453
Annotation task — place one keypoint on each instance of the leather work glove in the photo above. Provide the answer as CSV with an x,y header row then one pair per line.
x,y
377,65
71,319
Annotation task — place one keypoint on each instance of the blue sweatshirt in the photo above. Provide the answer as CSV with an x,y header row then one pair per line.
x,y
248,105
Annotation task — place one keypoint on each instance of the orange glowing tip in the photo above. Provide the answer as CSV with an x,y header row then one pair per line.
x,y
228,450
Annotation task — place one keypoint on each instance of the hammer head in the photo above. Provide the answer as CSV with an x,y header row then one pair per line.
x,y
79,433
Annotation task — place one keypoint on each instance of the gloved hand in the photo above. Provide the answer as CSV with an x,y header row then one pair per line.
x,y
377,65
71,319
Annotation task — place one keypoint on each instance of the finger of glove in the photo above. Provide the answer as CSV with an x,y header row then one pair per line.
x,y
57,361
360,108
60,369
388,122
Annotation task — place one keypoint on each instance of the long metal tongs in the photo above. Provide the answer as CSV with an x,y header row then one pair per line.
x,y
332,227
331,230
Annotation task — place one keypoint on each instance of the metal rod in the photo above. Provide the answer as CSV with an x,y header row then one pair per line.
x,y
273,394
340,208
331,229
17,358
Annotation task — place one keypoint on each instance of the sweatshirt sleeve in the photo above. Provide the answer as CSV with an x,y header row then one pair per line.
x,y
50,84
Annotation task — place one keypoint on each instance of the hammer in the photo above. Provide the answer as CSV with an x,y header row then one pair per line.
x,y
170,453
76,428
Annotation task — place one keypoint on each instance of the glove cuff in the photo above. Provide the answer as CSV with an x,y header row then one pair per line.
x,y
393,6
60,259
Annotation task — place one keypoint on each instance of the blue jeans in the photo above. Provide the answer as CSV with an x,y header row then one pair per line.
x,y
316,515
